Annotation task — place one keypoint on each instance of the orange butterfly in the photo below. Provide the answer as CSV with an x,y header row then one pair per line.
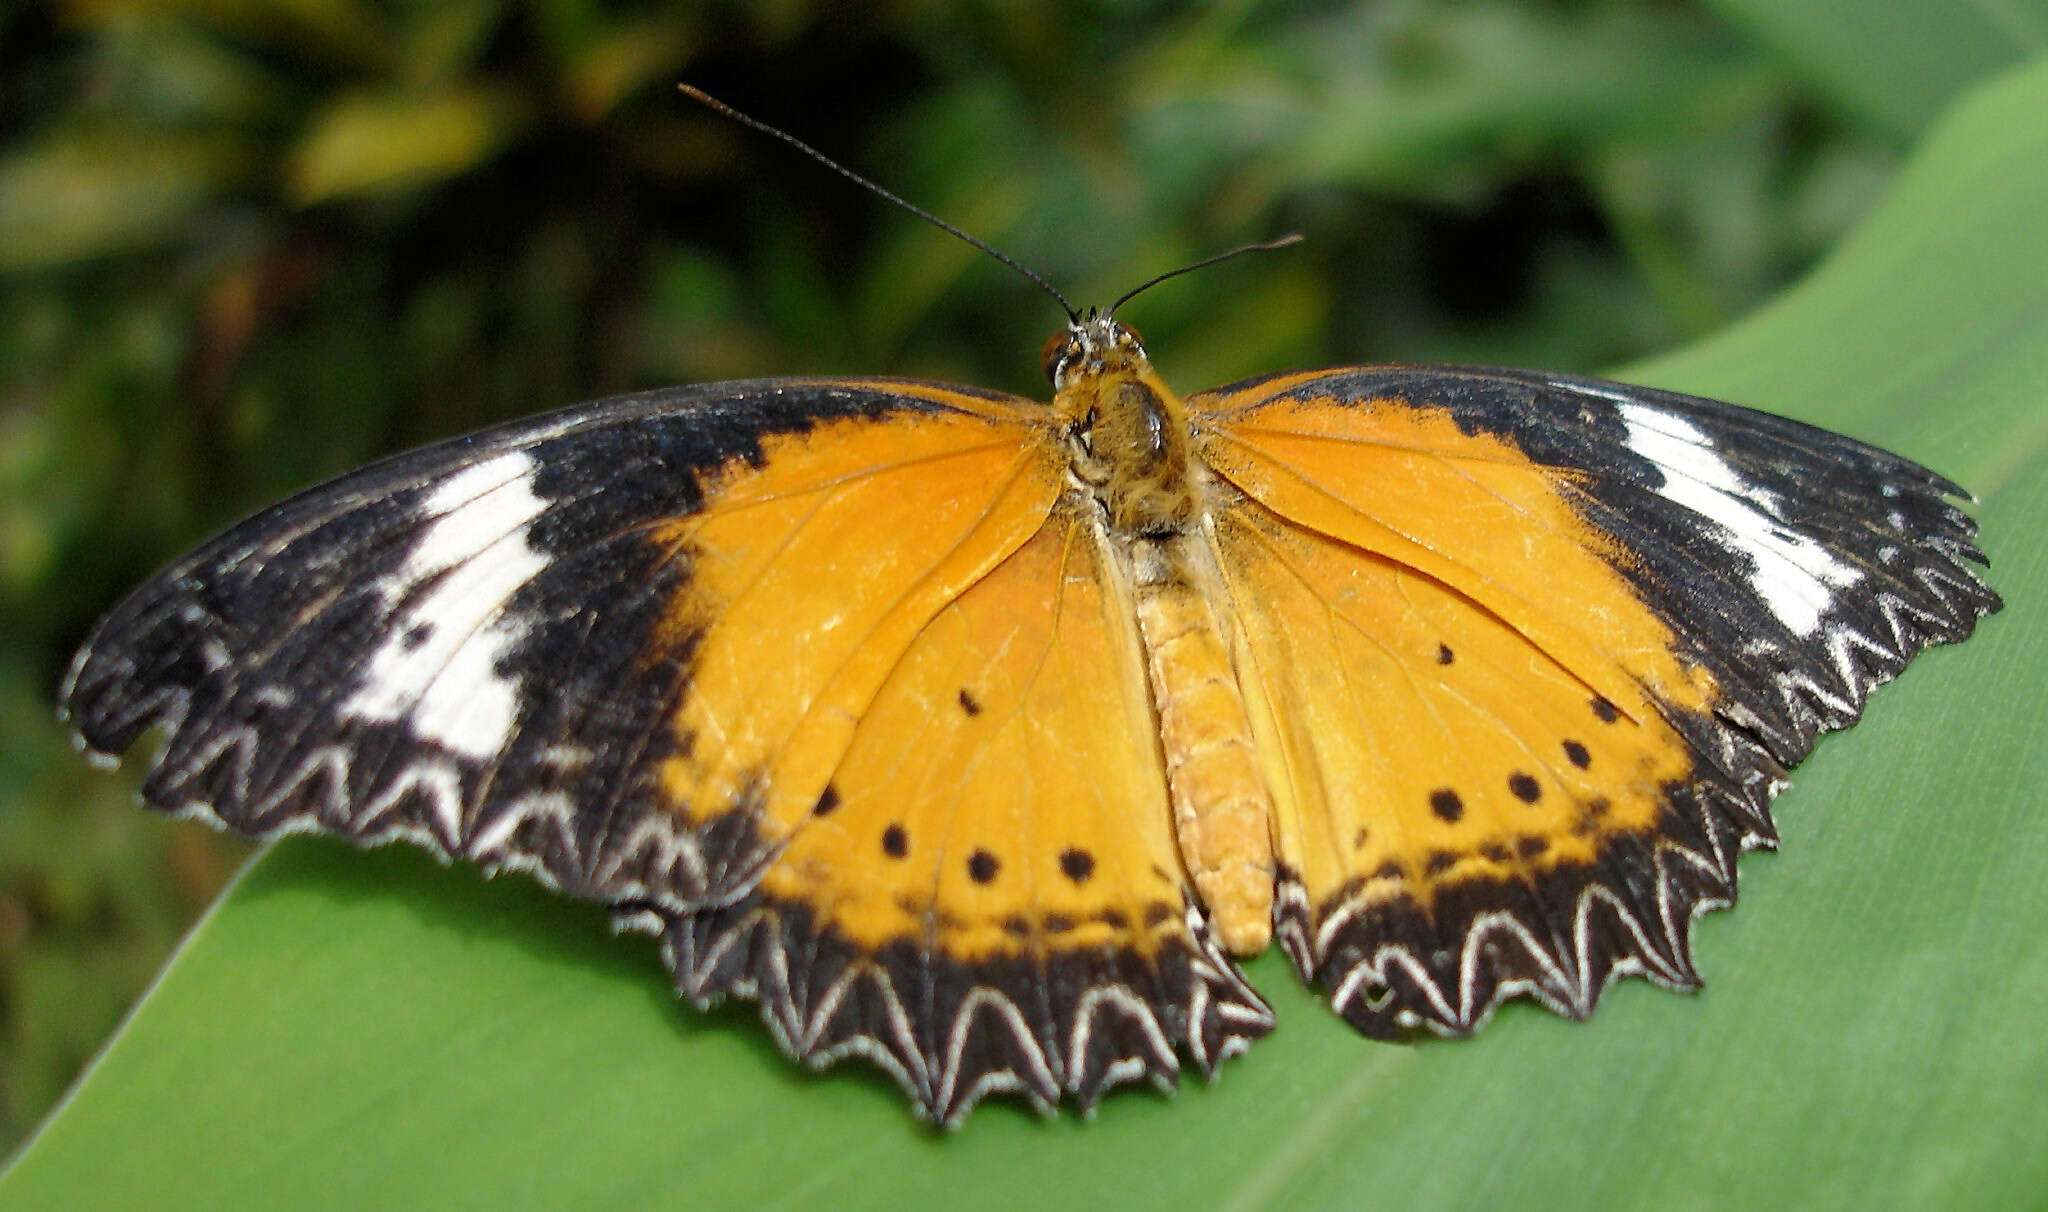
x,y
975,736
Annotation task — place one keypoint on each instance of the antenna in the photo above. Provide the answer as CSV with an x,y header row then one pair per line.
x,y
1262,246
721,108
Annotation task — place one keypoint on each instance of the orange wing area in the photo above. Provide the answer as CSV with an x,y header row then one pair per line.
x,y
980,891
810,570
1489,765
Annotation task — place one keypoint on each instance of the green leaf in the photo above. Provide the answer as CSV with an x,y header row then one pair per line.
x,y
322,33
371,142
1896,64
1409,108
93,193
347,1029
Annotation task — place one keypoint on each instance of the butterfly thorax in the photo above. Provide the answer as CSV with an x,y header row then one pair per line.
x,y
1128,430
1129,436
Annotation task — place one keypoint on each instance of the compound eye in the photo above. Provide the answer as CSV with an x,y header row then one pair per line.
x,y
1055,352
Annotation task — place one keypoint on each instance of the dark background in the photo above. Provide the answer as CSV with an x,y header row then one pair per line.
x,y
248,244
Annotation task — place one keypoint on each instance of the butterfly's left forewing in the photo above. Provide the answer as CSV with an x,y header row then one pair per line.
x,y
1529,655
578,645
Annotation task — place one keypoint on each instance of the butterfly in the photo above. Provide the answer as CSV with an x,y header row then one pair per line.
x,y
979,736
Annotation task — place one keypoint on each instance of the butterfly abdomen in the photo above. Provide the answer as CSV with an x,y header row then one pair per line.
x,y
1222,813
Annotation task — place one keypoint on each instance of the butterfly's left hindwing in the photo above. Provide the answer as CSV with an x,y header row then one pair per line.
x,y
1530,654
987,895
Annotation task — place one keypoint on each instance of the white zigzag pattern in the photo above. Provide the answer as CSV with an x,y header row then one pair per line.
x,y
437,780
948,1091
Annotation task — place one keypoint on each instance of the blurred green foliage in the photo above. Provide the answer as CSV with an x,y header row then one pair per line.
x,y
245,244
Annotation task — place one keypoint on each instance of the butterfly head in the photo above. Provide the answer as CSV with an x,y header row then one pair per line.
x,y
1093,344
